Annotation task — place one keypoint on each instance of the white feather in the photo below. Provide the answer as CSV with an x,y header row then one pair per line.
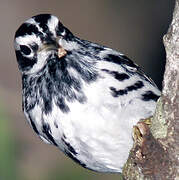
x,y
101,129
52,24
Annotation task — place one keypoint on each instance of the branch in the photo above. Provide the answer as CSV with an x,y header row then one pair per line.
x,y
158,155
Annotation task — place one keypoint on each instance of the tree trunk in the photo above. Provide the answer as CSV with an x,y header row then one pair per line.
x,y
157,156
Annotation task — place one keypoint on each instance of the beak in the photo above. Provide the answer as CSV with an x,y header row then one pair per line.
x,y
51,47
61,52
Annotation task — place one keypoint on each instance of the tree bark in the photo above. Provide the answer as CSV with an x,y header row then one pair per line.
x,y
157,156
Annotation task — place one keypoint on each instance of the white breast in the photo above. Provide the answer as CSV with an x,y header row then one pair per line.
x,y
100,130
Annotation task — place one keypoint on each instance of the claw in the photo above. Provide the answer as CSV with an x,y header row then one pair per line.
x,y
140,130
137,136
147,121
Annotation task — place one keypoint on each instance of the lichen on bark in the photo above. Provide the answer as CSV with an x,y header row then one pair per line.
x,y
159,122
158,156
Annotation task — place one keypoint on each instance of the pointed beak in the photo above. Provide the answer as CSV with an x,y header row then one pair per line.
x,y
61,52
54,47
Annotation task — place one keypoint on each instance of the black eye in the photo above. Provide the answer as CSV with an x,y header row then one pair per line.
x,y
25,49
60,29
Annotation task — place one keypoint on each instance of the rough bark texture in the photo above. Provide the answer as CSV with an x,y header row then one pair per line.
x,y
157,156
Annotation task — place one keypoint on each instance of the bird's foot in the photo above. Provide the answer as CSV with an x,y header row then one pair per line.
x,y
140,134
140,130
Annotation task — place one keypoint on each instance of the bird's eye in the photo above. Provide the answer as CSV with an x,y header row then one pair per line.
x,y
25,49
60,30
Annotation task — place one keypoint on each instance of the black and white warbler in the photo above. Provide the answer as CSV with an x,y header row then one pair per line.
x,y
82,97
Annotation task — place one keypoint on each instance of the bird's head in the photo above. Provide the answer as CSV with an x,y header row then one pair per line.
x,y
40,39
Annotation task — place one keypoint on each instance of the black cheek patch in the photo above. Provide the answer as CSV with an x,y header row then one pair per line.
x,y
24,63
25,49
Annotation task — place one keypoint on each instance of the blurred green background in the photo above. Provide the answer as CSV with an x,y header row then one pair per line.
x,y
134,27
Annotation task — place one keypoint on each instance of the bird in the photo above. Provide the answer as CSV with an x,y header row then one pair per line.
x,y
82,97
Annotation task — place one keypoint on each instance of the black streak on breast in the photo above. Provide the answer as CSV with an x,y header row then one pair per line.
x,y
71,152
135,86
69,147
33,125
116,75
47,131
149,95
120,60
75,159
